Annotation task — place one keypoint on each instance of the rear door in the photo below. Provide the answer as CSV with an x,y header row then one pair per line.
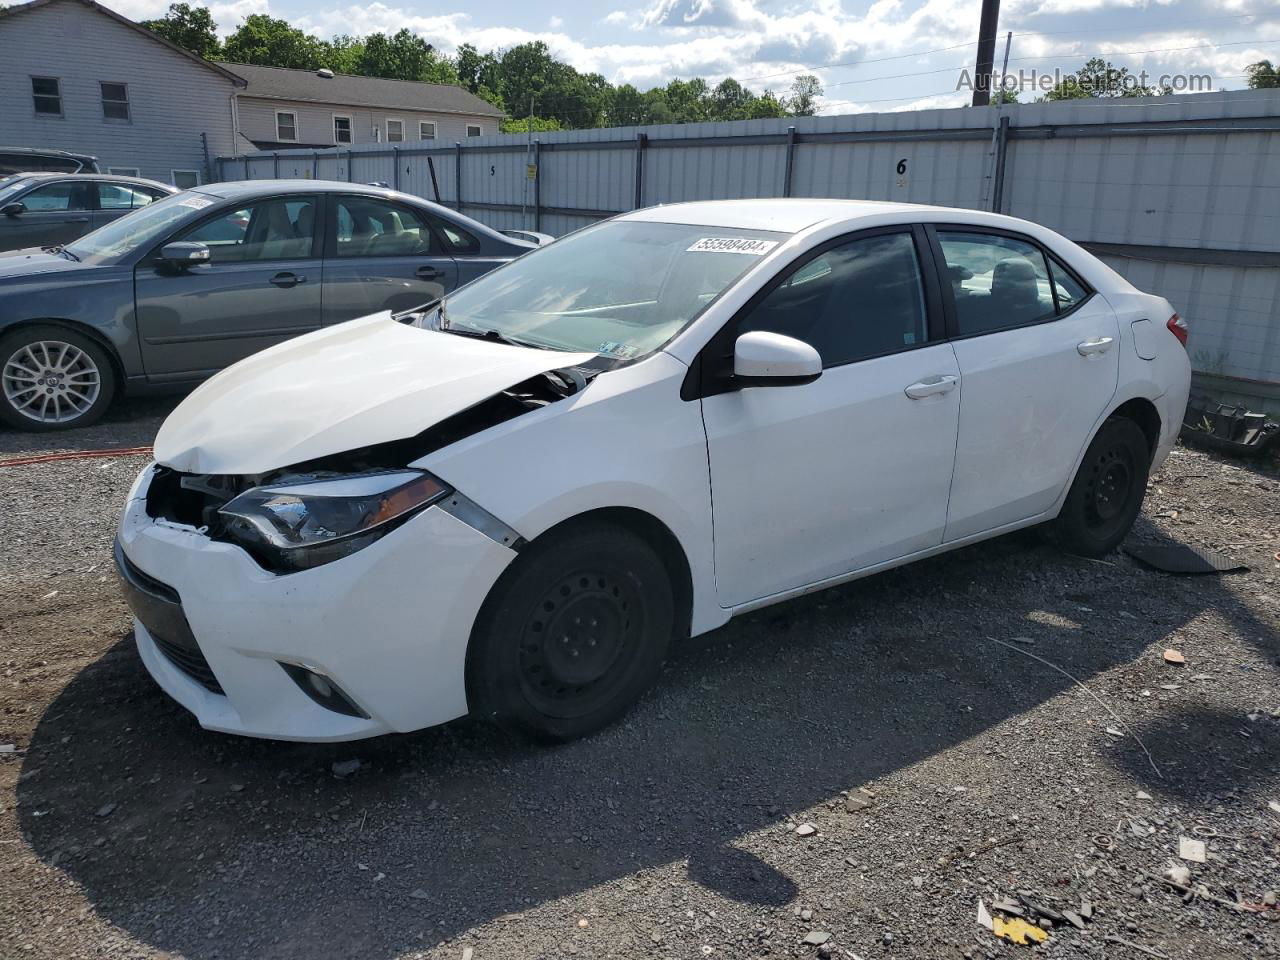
x,y
261,286
1039,363
381,255
56,213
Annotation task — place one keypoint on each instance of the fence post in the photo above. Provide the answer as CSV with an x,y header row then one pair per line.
x,y
537,185
275,166
315,165
641,140
351,156
791,154
457,175
1002,152
395,174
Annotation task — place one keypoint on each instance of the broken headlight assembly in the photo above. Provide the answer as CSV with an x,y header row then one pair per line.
x,y
304,522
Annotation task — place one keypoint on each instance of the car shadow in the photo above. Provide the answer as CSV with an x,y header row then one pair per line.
x,y
207,845
129,422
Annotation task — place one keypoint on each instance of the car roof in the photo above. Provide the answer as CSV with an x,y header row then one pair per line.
x,y
786,215
48,152
100,177
257,188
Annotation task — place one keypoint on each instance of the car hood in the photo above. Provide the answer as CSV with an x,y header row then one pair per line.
x,y
358,383
33,261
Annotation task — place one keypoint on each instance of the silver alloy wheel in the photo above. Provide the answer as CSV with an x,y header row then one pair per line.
x,y
51,381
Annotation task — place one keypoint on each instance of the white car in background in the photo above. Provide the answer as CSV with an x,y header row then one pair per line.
x,y
512,500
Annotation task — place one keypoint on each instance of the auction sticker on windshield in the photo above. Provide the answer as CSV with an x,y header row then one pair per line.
x,y
196,203
755,248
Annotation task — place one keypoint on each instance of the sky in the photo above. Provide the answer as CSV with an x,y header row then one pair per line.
x,y
885,55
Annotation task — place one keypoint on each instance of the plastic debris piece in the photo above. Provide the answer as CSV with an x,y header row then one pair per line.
x,y
984,917
1174,656
1016,930
1192,850
1179,558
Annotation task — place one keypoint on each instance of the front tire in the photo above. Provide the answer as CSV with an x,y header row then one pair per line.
x,y
572,634
53,378
1107,492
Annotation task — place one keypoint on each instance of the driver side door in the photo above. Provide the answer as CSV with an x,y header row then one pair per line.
x,y
813,481
260,286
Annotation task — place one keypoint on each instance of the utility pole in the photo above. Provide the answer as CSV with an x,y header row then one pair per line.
x,y
528,160
986,52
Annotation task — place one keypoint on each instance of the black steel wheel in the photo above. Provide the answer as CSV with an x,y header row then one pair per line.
x,y
572,633
1107,492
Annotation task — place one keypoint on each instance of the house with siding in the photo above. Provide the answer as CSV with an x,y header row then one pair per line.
x,y
281,108
77,76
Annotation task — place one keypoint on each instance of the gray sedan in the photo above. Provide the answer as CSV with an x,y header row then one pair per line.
x,y
51,209
170,294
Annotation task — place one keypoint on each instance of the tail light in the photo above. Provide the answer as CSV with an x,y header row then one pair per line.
x,y
1178,327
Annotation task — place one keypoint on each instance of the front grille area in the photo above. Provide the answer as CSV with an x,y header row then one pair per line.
x,y
159,608
191,662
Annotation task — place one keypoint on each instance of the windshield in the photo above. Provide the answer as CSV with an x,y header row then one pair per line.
x,y
142,227
620,289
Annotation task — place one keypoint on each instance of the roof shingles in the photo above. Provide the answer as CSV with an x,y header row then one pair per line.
x,y
279,83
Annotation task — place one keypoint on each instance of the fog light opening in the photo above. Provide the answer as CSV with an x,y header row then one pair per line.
x,y
322,690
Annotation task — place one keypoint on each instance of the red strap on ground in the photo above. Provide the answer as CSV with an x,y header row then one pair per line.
x,y
76,455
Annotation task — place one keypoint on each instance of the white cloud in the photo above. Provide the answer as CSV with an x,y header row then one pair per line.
x,y
555,23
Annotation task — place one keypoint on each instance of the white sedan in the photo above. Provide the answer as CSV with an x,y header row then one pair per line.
x,y
512,500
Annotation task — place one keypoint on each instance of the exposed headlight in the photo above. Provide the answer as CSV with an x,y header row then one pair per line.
x,y
299,525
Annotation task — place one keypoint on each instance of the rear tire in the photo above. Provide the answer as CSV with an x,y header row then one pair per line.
x,y
572,634
53,378
1107,492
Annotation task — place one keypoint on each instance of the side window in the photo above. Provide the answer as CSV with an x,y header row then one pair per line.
x,y
46,95
278,229
459,240
58,196
861,299
116,196
372,227
1069,291
998,282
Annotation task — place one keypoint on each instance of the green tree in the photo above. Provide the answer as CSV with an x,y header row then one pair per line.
x,y
805,90
1101,78
342,53
269,42
730,100
766,107
530,124
403,56
1263,75
626,107
476,70
191,28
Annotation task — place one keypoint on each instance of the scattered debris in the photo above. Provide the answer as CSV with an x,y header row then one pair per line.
x,y
1192,850
1116,732
1274,805
1035,906
8,748
1008,906
1143,795
859,800
1017,930
1174,656
419,894
468,953
1178,873
1180,558
1074,919
816,938
1202,892
806,830
237,787
345,768
984,916
583,922
106,810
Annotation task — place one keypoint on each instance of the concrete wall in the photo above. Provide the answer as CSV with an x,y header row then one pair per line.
x,y
315,122
1179,194
172,99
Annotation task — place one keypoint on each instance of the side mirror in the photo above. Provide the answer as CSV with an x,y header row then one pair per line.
x,y
184,253
14,209
763,359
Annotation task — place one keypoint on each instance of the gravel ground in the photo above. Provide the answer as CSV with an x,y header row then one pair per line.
x,y
864,764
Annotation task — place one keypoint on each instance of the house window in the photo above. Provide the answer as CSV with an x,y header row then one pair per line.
x,y
473,129
185,179
286,125
341,129
395,130
426,130
124,171
47,95
115,101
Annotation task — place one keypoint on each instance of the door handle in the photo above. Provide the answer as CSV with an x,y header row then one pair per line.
x,y
931,387
288,279
1090,348
429,273
77,219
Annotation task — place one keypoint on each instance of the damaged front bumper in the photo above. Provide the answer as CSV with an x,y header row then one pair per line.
x,y
387,626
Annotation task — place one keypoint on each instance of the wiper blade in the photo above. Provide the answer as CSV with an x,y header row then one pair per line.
x,y
64,252
491,335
